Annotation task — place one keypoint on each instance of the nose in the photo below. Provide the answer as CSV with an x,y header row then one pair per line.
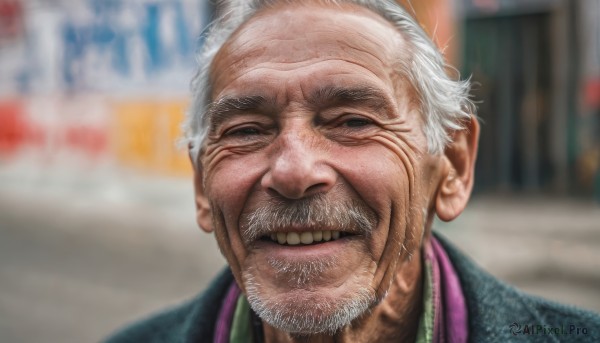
x,y
298,168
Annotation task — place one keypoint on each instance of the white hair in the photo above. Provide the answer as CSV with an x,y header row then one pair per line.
x,y
443,102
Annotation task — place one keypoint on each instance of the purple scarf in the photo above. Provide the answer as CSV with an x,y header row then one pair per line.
x,y
450,310
450,323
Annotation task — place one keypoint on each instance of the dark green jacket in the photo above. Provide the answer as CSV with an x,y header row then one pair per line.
x,y
493,307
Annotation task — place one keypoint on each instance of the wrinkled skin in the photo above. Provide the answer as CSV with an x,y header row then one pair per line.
x,y
295,142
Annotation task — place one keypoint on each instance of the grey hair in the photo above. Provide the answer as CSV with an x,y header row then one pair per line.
x,y
443,102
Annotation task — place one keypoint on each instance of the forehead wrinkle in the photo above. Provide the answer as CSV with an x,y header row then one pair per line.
x,y
243,47
281,15
248,78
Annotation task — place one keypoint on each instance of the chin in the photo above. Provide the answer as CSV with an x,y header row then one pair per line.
x,y
308,311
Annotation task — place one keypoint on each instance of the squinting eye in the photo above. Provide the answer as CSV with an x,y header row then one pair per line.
x,y
356,122
243,131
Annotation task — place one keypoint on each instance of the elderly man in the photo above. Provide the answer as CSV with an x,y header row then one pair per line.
x,y
325,137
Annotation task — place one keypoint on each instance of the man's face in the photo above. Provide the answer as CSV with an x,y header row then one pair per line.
x,y
315,166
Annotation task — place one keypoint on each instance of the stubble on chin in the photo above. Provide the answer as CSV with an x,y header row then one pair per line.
x,y
300,275
302,311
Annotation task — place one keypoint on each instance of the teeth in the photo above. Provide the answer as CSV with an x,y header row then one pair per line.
x,y
293,238
281,237
317,236
307,237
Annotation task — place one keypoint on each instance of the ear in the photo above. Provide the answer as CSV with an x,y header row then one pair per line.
x,y
203,211
457,178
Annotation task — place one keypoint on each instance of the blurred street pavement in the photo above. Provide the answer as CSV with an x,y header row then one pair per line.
x,y
80,257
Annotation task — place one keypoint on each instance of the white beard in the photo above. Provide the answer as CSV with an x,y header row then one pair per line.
x,y
303,311
300,308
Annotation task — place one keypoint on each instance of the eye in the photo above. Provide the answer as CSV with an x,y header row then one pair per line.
x,y
356,122
243,131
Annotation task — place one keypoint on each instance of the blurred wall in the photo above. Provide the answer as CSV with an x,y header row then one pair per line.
x,y
97,81
106,81
536,65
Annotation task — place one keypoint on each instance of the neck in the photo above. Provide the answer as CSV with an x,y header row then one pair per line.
x,y
394,319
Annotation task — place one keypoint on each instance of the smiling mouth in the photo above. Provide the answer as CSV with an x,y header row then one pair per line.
x,y
305,237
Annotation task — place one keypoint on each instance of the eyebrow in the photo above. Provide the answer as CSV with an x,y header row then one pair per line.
x,y
223,109
330,96
324,97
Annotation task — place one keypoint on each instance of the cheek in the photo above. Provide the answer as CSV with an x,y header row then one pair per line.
x,y
385,174
381,180
229,183
375,175
230,177
382,171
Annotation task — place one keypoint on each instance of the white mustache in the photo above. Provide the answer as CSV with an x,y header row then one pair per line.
x,y
313,213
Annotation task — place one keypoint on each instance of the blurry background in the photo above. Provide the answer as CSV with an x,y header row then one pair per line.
x,y
96,203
